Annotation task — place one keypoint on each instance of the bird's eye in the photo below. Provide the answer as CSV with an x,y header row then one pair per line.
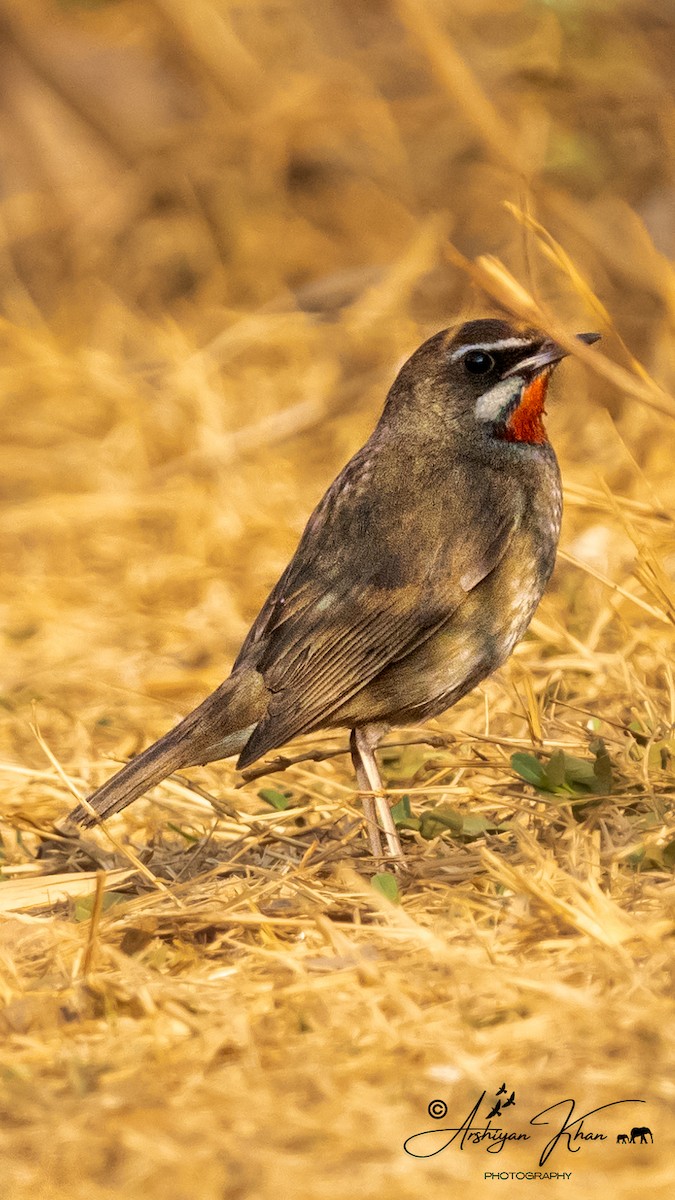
x,y
478,362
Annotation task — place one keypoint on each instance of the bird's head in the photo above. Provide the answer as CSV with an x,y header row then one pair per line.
x,y
487,376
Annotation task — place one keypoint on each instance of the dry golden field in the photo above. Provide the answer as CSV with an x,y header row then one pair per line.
x,y
223,224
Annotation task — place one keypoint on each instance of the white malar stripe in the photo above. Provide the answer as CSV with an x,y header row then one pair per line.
x,y
491,404
511,343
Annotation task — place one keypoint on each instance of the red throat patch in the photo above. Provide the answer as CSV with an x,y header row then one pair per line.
x,y
525,423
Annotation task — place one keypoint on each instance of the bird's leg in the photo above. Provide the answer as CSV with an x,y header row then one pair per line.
x,y
376,806
367,800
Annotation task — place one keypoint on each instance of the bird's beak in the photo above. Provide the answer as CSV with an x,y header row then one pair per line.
x,y
548,354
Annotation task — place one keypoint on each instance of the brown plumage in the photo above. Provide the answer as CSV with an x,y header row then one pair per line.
x,y
415,576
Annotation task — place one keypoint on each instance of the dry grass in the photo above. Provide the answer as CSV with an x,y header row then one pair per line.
x,y
221,228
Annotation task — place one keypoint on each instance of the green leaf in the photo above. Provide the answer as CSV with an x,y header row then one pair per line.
x,y
528,767
385,883
278,800
403,762
555,771
477,825
84,906
435,821
579,772
401,811
650,856
602,767
564,774
189,837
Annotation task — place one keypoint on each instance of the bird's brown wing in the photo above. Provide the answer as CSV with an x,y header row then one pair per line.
x,y
370,580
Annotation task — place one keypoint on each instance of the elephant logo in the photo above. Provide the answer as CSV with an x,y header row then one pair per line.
x,y
622,1139
640,1131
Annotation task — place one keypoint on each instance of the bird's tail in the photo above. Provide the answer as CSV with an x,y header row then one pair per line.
x,y
220,726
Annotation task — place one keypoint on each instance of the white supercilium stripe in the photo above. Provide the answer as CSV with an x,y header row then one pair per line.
x,y
511,343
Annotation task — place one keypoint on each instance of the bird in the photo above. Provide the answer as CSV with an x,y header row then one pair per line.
x,y
415,576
